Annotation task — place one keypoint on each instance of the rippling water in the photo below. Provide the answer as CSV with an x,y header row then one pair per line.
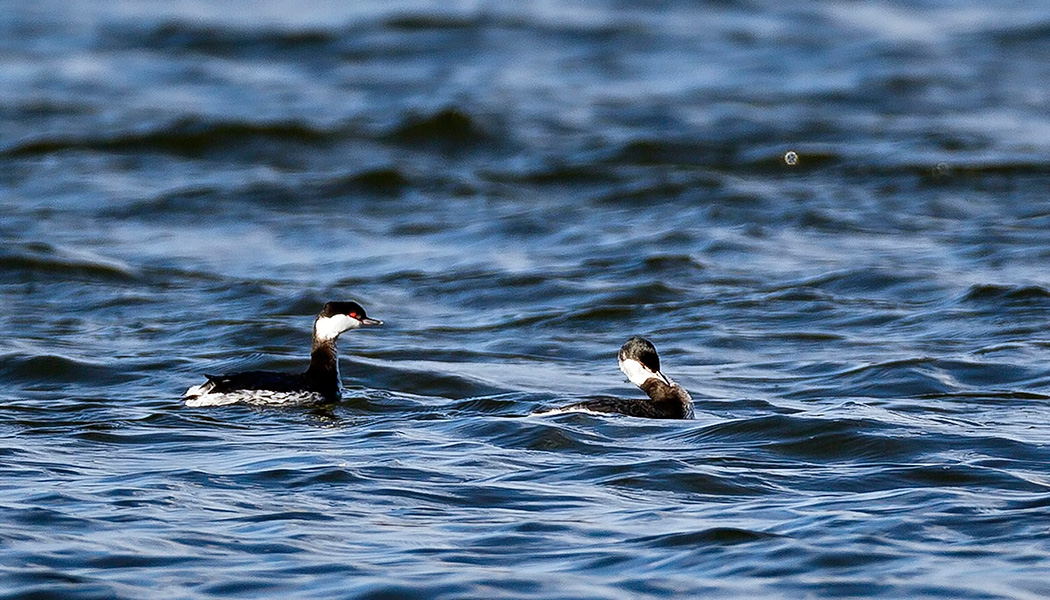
x,y
516,189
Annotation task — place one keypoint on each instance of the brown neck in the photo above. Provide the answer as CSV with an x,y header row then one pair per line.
x,y
672,397
660,391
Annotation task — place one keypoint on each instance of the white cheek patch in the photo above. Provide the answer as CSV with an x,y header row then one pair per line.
x,y
639,373
635,371
329,328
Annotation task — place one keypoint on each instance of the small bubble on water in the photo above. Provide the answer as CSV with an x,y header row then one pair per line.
x,y
791,158
942,167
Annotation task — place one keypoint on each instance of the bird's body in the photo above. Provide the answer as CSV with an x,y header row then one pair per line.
x,y
640,362
319,383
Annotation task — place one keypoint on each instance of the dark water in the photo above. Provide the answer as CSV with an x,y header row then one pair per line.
x,y
515,189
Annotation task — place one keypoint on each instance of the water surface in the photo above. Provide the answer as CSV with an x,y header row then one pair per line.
x,y
515,190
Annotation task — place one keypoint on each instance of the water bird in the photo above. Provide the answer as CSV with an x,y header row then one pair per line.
x,y
318,384
641,364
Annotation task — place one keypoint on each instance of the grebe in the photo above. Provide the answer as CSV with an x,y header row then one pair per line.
x,y
319,383
641,364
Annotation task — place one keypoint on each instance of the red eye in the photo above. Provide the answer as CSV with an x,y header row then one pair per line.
x,y
353,315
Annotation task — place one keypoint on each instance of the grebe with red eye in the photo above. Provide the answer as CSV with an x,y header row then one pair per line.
x,y
641,364
319,383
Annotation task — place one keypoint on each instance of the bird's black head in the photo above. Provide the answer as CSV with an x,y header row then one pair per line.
x,y
350,309
337,317
641,350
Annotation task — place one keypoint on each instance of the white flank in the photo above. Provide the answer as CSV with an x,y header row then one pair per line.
x,y
212,400
329,328
568,409
263,397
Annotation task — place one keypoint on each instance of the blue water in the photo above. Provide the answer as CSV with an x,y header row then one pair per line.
x,y
515,189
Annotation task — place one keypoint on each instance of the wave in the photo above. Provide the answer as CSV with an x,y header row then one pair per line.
x,y
33,261
356,38
380,181
189,136
864,282
41,369
306,194
1035,35
216,40
987,293
904,378
749,150
722,536
451,128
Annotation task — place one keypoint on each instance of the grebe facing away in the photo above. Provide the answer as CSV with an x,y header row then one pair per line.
x,y
319,383
641,364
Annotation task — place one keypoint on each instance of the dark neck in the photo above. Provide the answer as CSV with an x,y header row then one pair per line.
x,y
661,392
323,374
672,398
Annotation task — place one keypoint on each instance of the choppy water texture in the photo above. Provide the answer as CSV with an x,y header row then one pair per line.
x,y
515,188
